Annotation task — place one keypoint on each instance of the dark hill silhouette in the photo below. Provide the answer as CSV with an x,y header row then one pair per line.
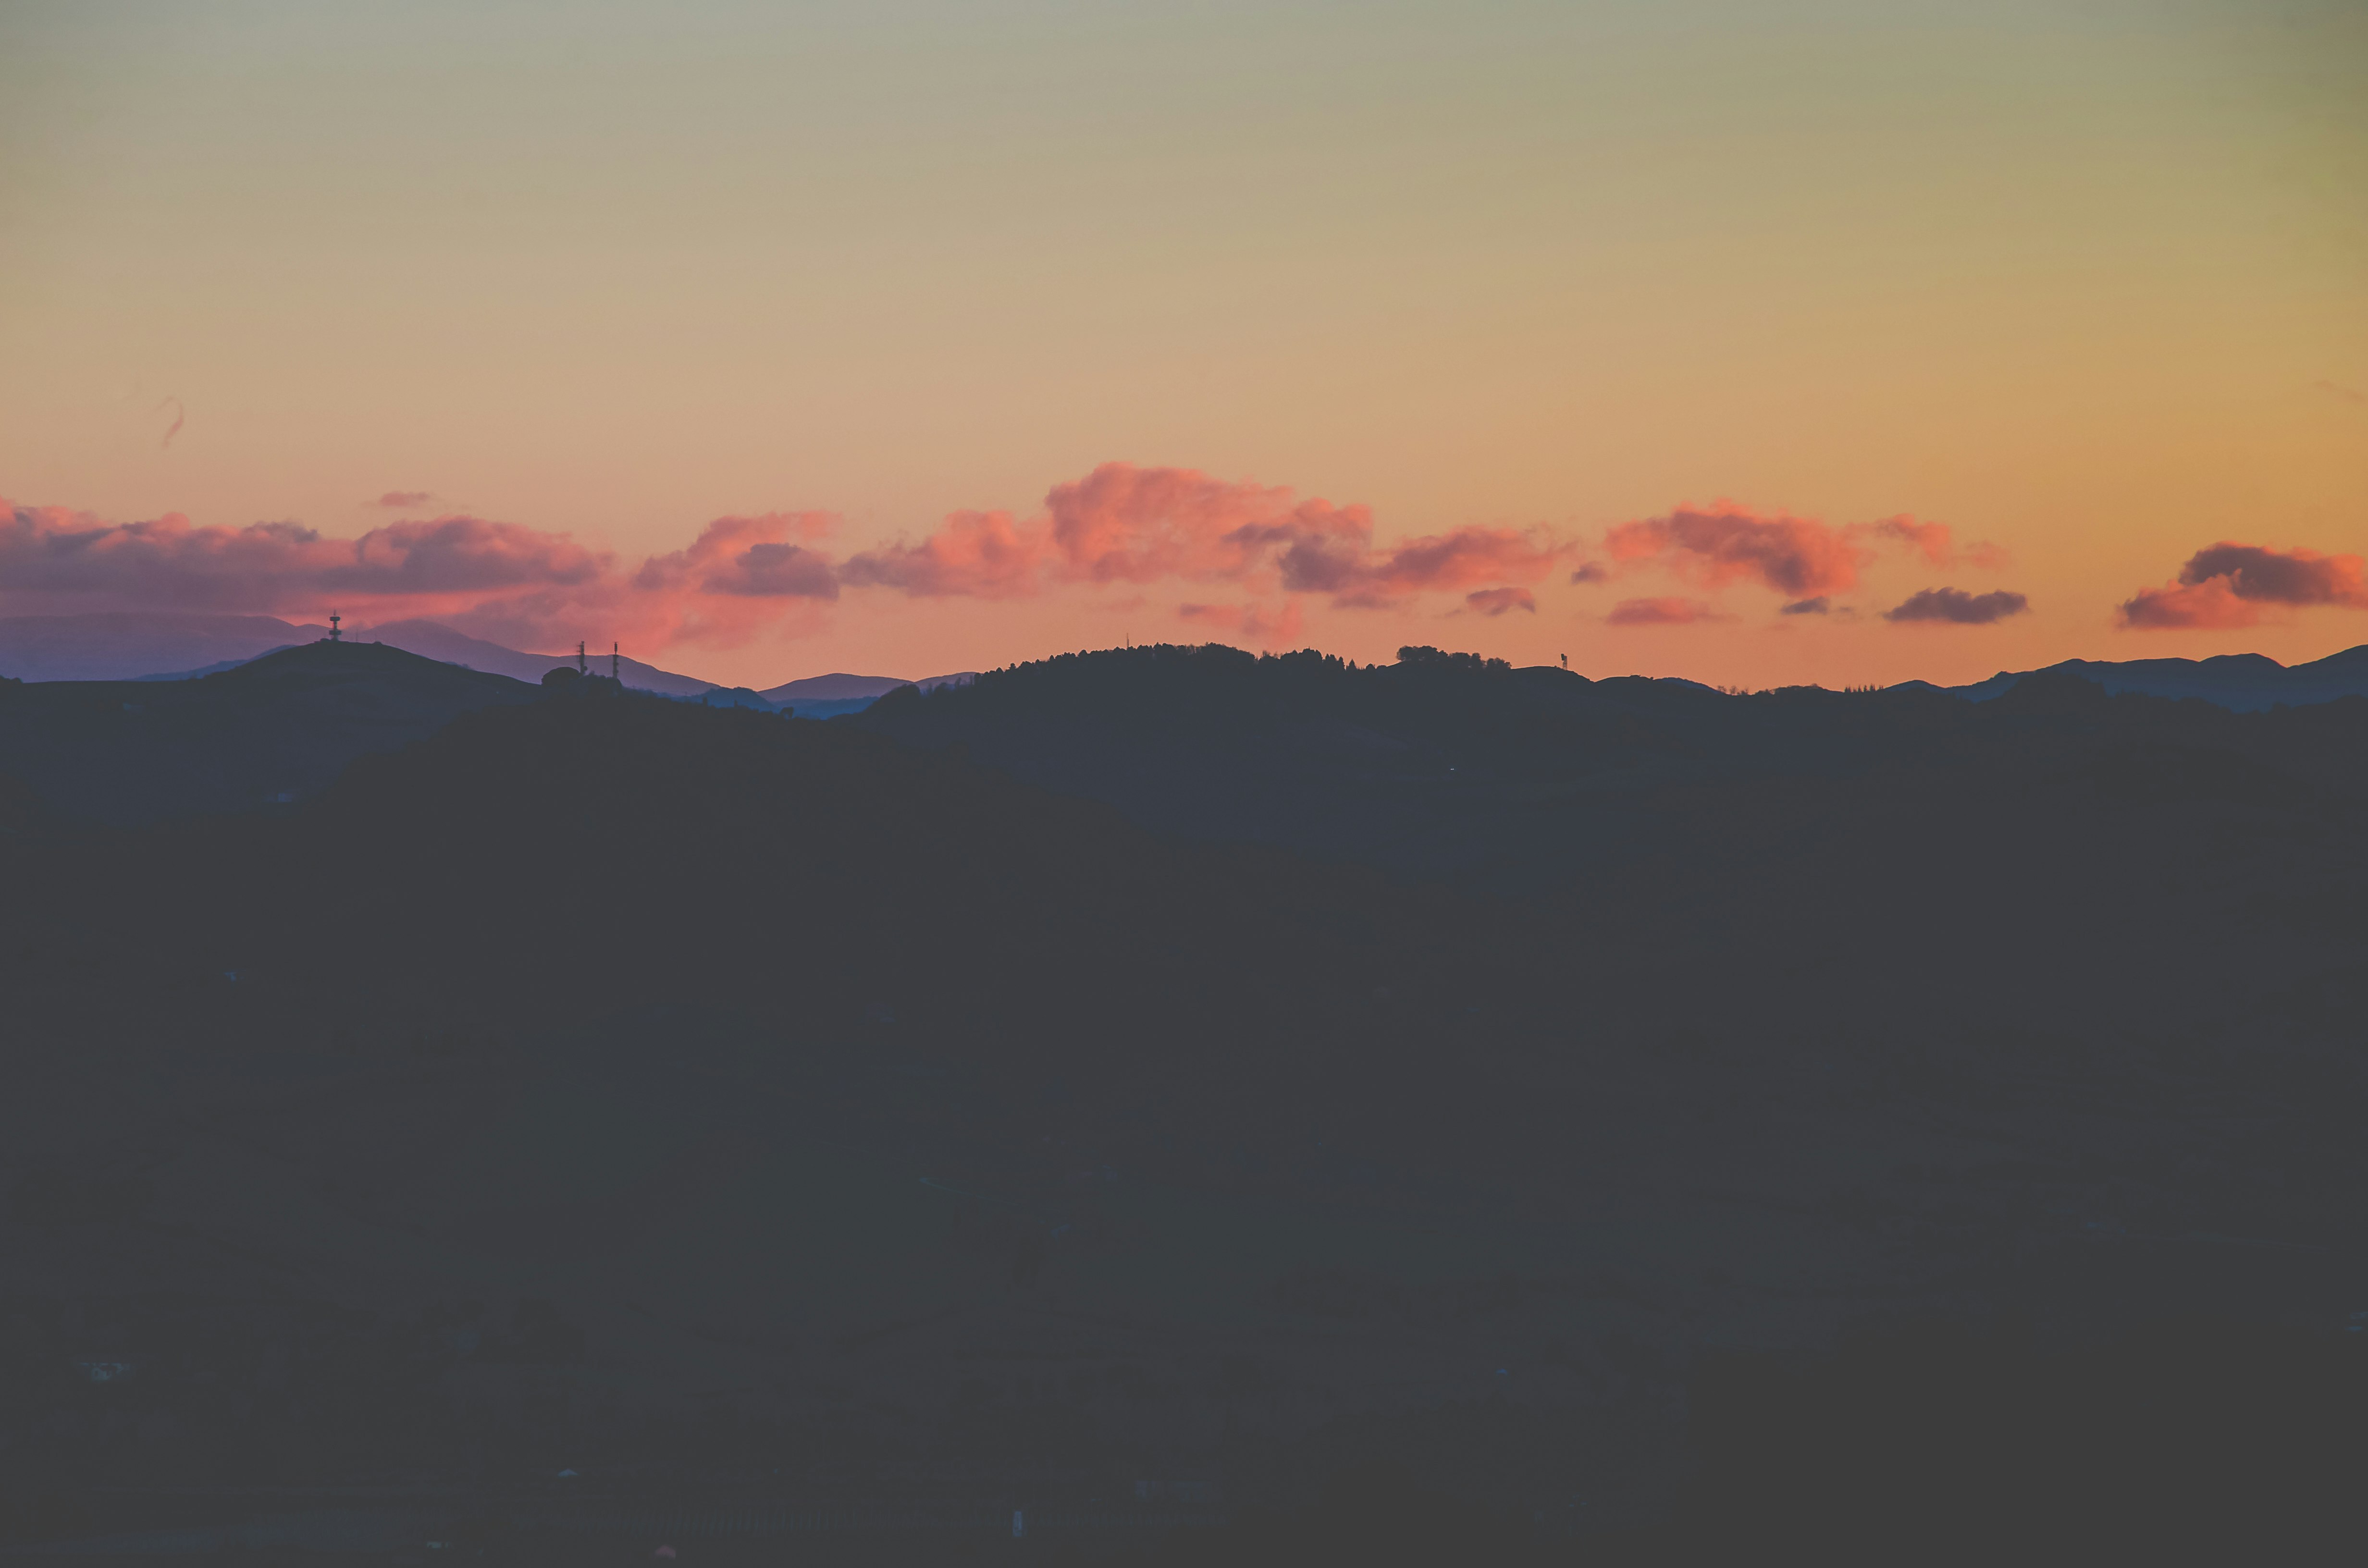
x,y
682,1096
1519,779
282,726
2245,682
124,647
435,640
169,647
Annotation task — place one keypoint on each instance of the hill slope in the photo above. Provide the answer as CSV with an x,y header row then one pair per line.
x,y
681,1095
2245,682
282,726
126,647
163,647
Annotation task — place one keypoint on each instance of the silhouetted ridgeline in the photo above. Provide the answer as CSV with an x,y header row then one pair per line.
x,y
1874,1118
2245,682
1519,779
272,731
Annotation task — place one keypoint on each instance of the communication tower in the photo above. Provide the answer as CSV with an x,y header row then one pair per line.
x,y
335,635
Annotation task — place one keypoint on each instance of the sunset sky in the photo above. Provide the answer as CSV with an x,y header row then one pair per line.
x,y
912,335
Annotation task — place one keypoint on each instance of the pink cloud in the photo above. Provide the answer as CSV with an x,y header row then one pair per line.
x,y
976,555
2225,586
1933,541
1662,612
2210,606
1458,560
1139,525
736,577
2282,577
515,583
402,500
1801,558
748,557
1798,557
1254,622
1124,524
1118,528
1496,601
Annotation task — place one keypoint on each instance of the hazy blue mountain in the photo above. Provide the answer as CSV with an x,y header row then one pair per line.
x,y
131,647
858,690
184,647
213,669
433,640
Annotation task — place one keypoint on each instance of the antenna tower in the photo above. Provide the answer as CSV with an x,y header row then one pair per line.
x,y
335,635
612,662
580,667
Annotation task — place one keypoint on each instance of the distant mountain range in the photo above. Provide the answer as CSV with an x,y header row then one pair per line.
x,y
129,647
182,646
170,647
432,639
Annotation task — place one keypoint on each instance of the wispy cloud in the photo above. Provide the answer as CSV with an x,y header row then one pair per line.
x,y
1801,558
1497,601
1955,607
1663,612
1266,627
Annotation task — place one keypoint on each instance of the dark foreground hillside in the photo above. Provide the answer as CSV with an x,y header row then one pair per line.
x,y
1448,766
273,731
824,1145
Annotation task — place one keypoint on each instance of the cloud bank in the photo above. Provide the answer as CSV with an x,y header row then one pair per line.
x,y
1243,557
51,556
1118,525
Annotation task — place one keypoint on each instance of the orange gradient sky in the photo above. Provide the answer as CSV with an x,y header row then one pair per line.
x,y
2086,283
